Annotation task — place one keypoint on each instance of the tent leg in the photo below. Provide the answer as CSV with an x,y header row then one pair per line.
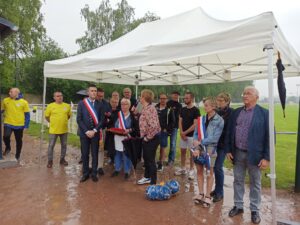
x,y
42,120
136,91
271,131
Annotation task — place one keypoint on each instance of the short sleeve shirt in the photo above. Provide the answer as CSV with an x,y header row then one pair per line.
x,y
59,115
188,116
14,110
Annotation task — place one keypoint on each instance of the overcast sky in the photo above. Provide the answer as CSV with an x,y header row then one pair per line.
x,y
64,24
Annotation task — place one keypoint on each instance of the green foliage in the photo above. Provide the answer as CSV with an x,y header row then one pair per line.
x,y
106,24
26,15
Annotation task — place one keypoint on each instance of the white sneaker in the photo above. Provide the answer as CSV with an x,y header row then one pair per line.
x,y
180,172
144,180
191,175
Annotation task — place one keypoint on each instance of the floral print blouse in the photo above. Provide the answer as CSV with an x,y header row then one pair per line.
x,y
149,122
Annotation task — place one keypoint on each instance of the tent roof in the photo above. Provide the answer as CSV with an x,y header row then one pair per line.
x,y
188,48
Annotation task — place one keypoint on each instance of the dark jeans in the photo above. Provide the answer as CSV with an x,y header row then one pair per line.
x,y
149,152
219,172
86,145
18,136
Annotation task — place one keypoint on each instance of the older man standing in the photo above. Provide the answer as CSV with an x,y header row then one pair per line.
x,y
248,148
57,114
16,119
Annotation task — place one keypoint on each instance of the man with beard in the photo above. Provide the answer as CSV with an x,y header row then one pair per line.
x,y
187,123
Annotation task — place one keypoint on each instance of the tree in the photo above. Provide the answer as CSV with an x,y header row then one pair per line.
x,y
32,73
26,15
106,24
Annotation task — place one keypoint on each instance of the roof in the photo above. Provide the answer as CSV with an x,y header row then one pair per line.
x,y
188,48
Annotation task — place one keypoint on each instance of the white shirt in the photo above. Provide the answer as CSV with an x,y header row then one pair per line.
x,y
118,139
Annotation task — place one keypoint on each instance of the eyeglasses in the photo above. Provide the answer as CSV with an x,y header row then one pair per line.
x,y
124,104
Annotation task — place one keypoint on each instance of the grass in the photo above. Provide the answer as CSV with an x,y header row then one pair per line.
x,y
285,146
35,130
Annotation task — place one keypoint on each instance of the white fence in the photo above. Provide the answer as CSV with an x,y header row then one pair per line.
x,y
37,117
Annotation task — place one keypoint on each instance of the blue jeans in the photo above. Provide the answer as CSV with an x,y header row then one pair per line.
x,y
241,164
122,159
173,140
219,172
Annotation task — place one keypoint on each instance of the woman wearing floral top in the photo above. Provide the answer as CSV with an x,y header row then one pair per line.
x,y
150,130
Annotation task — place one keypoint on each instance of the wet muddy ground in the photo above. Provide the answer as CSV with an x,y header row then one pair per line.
x,y
33,194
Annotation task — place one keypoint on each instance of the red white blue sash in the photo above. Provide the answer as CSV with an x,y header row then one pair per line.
x,y
201,127
122,121
91,109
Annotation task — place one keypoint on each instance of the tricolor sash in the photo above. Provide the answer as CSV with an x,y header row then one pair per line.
x,y
91,109
122,121
201,127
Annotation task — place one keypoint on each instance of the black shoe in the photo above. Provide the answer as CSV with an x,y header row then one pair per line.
x,y
255,218
95,178
63,162
126,177
235,211
115,173
217,198
84,178
100,171
212,194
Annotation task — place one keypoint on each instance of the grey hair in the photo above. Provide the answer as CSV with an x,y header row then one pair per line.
x,y
256,92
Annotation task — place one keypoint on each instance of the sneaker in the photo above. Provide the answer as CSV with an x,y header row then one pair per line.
x,y
191,174
63,162
160,167
144,180
171,163
180,172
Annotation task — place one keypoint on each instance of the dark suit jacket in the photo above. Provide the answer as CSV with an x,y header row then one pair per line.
x,y
258,136
85,121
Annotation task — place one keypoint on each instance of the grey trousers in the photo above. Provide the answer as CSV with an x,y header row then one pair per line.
x,y
52,141
239,171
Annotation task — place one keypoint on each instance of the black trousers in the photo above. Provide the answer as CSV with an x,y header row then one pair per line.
x,y
86,145
18,136
149,152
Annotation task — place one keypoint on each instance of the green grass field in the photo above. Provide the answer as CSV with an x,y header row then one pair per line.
x,y
285,146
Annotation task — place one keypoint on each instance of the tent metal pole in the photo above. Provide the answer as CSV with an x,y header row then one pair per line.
x,y
136,90
42,120
297,173
272,175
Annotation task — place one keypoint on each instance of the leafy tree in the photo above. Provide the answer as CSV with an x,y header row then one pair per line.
x,y
106,24
26,15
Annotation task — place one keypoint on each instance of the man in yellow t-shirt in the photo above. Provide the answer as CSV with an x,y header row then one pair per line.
x,y
58,114
16,119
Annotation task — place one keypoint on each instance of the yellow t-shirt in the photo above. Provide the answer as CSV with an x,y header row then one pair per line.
x,y
59,115
14,111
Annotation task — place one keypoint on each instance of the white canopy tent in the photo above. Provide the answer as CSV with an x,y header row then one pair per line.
x,y
189,48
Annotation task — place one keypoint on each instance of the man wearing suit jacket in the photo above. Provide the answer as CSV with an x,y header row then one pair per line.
x,y
89,124
247,146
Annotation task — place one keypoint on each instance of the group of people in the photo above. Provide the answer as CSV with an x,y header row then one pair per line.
x,y
241,134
